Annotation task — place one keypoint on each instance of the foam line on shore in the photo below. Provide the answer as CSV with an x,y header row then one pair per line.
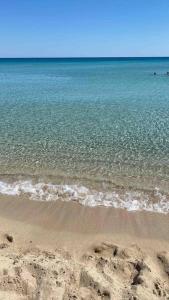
x,y
129,200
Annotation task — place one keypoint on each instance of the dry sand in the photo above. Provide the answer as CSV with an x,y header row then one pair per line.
x,y
67,251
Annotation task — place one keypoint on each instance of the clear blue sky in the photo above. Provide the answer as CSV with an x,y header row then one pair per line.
x,y
38,28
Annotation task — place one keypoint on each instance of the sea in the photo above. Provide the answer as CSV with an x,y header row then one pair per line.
x,y
89,130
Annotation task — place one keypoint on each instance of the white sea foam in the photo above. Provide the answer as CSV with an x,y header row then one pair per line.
x,y
131,201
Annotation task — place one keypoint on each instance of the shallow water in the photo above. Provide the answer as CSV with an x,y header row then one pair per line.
x,y
99,123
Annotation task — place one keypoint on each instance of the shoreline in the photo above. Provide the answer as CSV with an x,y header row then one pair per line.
x,y
75,218
154,201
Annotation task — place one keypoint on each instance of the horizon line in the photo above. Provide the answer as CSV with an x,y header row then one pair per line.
x,y
72,57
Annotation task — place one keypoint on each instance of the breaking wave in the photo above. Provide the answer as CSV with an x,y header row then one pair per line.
x,y
129,200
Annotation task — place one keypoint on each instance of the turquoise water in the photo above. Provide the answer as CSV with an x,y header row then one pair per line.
x,y
100,123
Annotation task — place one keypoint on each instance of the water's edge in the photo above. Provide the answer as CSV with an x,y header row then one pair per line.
x,y
129,200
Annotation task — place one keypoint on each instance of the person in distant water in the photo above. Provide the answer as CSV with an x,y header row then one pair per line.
x,y
167,73
155,73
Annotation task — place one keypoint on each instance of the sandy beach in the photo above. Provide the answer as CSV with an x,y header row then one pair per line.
x,y
59,250
84,150
84,169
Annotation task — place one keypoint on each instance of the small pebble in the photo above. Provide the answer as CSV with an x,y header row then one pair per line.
x,y
9,238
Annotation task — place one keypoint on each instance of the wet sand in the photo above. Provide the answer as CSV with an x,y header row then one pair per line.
x,y
63,250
